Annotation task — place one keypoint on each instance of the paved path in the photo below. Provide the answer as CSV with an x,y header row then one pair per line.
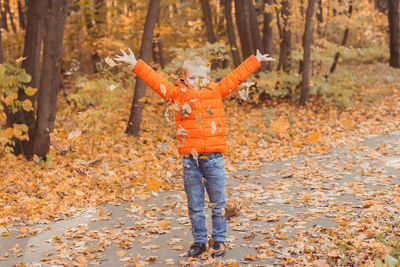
x,y
278,204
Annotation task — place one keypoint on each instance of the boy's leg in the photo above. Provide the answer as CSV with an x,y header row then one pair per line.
x,y
194,188
214,172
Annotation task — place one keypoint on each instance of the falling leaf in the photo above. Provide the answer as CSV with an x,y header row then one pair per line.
x,y
210,205
163,89
181,131
143,99
166,115
195,154
213,127
186,110
244,94
248,84
110,62
20,59
231,211
112,87
209,110
199,120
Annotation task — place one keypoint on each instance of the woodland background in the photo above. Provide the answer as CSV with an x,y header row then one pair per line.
x,y
76,130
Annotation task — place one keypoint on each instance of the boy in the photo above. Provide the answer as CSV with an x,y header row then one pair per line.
x,y
201,134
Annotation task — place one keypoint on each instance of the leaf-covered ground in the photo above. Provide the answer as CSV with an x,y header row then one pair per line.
x,y
288,168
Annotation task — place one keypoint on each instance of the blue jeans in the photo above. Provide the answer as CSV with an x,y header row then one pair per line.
x,y
213,171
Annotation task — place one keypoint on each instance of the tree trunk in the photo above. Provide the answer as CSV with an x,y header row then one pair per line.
x,y
21,16
4,24
344,42
305,84
100,12
56,16
158,52
220,19
394,29
161,53
240,25
382,5
205,6
247,28
320,14
231,32
135,118
8,10
1,50
267,32
33,40
255,30
32,49
31,64
285,36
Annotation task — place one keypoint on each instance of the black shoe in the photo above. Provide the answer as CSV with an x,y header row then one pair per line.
x,y
219,249
196,249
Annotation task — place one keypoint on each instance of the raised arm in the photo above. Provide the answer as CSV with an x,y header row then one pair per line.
x,y
156,82
228,84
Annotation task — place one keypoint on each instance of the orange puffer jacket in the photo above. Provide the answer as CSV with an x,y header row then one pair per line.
x,y
199,115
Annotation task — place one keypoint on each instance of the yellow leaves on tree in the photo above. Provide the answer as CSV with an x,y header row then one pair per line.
x,y
17,131
27,105
29,91
10,99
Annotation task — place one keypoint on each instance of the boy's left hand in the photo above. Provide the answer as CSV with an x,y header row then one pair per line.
x,y
264,57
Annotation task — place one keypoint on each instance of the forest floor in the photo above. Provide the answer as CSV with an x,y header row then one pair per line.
x,y
338,208
314,185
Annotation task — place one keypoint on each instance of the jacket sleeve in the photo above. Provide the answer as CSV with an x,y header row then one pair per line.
x,y
229,83
163,87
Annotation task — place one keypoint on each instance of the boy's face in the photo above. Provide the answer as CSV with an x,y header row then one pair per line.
x,y
197,77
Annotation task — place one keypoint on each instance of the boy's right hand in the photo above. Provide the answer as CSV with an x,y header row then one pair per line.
x,y
130,59
264,57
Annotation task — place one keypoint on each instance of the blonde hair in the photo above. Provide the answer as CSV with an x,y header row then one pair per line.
x,y
196,62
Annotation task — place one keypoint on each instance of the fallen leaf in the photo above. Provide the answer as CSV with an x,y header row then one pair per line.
x,y
121,253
